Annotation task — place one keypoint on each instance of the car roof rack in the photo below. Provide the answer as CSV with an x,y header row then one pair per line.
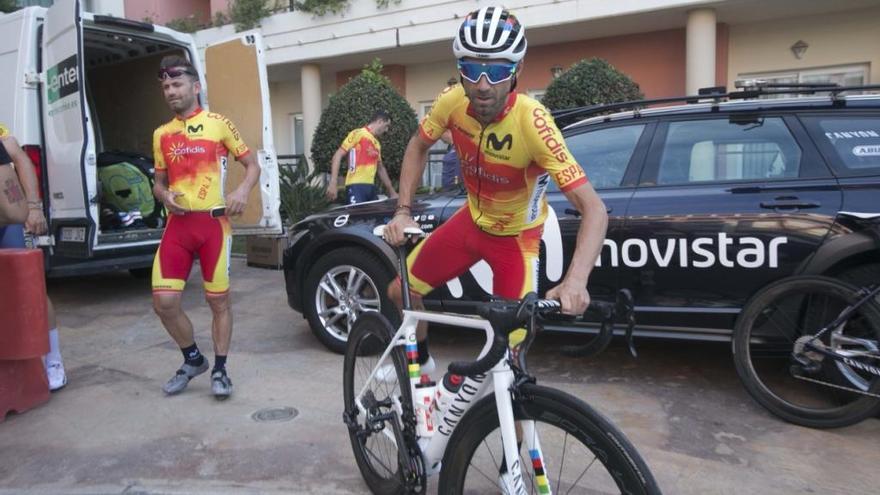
x,y
748,88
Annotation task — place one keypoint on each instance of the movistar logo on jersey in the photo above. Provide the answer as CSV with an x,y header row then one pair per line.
x,y
192,129
699,252
62,79
492,139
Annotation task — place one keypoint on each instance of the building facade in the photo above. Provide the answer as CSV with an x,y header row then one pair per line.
x,y
669,47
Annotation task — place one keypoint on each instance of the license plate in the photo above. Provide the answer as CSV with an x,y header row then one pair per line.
x,y
73,234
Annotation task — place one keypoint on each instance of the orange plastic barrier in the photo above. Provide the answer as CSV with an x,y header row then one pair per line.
x,y
24,336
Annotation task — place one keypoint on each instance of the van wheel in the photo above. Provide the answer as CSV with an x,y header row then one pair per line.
x,y
342,285
141,273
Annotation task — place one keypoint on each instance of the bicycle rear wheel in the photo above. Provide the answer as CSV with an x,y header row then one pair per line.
x,y
583,452
371,431
783,316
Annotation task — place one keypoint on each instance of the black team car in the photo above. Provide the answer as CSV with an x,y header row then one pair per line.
x,y
709,201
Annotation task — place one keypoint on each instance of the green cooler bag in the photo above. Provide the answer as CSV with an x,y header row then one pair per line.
x,y
127,188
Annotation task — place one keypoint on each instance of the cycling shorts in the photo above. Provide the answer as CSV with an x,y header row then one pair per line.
x,y
193,233
359,193
458,243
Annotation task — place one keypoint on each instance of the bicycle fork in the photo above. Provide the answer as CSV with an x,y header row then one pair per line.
x,y
515,482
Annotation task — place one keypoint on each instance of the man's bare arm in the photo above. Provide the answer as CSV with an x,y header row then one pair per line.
x,y
572,291
236,201
333,185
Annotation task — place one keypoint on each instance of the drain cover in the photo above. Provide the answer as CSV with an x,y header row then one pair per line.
x,y
275,414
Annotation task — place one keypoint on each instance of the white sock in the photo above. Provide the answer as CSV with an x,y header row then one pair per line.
x,y
54,355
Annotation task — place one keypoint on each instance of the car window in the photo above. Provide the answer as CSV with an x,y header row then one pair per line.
x,y
727,149
855,141
605,153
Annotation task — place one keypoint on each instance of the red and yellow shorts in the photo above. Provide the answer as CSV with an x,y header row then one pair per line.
x,y
457,244
193,233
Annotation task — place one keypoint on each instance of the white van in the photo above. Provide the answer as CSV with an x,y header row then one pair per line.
x,y
74,86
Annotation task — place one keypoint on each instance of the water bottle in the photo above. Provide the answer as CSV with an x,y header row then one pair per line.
x,y
447,391
424,400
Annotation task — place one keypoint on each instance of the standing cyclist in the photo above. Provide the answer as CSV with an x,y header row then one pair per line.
x,y
364,162
190,155
507,144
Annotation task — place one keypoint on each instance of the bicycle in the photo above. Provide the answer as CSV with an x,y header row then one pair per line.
x,y
400,435
826,378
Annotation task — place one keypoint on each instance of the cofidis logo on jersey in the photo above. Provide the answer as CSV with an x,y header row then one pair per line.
x,y
554,143
62,79
179,150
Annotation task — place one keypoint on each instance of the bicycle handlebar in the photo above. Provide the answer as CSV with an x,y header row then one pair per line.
x,y
507,316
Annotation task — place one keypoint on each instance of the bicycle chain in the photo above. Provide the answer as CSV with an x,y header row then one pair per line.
x,y
841,387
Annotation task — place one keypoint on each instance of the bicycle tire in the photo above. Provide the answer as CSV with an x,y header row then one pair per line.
x,y
465,469
376,456
764,339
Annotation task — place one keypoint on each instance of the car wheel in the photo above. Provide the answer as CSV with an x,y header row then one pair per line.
x,y
340,286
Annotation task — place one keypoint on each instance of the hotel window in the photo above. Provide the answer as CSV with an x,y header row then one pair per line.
x,y
849,75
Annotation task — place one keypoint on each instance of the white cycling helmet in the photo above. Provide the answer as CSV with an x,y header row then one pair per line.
x,y
491,32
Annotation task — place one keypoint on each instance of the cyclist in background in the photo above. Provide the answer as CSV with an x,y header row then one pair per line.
x,y
509,147
364,162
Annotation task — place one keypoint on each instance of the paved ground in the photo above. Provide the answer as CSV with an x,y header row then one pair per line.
x,y
112,431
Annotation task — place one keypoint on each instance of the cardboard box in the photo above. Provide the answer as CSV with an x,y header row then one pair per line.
x,y
266,251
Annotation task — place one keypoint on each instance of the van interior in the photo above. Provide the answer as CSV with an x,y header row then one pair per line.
x,y
126,105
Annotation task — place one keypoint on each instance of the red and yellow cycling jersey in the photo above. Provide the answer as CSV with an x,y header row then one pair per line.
x,y
506,164
364,153
194,152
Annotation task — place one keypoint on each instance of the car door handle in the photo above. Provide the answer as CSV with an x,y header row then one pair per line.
x,y
789,204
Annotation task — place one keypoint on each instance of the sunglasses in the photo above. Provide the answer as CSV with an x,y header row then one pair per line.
x,y
495,73
173,72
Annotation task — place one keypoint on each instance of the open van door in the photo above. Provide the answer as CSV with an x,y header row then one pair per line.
x,y
69,148
238,88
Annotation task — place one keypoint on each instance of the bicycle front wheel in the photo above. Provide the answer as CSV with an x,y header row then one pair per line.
x,y
383,401
824,393
583,452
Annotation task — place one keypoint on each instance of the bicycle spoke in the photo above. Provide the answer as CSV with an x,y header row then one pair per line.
x,y
583,473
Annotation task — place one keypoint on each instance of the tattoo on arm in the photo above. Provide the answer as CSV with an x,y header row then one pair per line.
x,y
13,192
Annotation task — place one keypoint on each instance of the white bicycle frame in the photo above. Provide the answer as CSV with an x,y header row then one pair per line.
x,y
472,389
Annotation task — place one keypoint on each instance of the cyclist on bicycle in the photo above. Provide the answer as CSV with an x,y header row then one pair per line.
x,y
508,144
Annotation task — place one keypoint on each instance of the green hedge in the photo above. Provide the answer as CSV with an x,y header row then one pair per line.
x,y
352,107
590,82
